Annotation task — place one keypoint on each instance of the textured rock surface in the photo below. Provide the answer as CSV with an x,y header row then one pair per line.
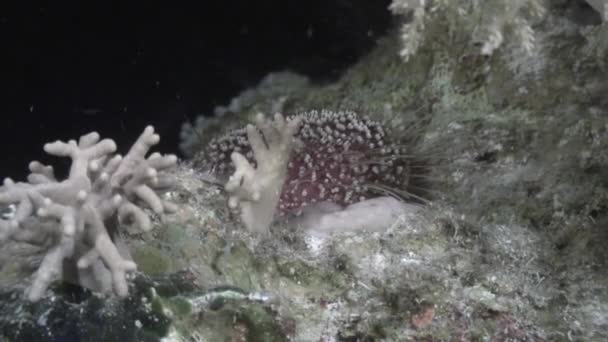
x,y
513,247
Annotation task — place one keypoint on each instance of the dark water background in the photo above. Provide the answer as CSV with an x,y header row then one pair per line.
x,y
66,69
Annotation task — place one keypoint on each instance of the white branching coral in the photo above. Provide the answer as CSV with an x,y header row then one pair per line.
x,y
486,22
77,219
257,190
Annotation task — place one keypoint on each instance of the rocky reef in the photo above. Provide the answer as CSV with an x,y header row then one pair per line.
x,y
511,246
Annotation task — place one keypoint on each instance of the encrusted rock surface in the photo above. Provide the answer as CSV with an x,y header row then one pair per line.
x,y
511,248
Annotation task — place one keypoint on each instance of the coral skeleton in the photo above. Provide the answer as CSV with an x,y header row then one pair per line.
x,y
486,22
76,220
258,189
317,164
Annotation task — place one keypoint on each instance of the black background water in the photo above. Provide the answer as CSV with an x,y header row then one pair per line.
x,y
68,69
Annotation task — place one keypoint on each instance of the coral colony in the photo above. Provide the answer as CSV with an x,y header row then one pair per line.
x,y
335,167
76,220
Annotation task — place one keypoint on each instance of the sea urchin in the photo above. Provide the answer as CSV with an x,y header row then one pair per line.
x,y
329,157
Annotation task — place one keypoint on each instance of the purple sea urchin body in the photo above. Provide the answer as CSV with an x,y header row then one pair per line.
x,y
343,159
338,157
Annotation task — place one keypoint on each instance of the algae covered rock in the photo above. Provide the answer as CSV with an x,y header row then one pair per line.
x,y
510,246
